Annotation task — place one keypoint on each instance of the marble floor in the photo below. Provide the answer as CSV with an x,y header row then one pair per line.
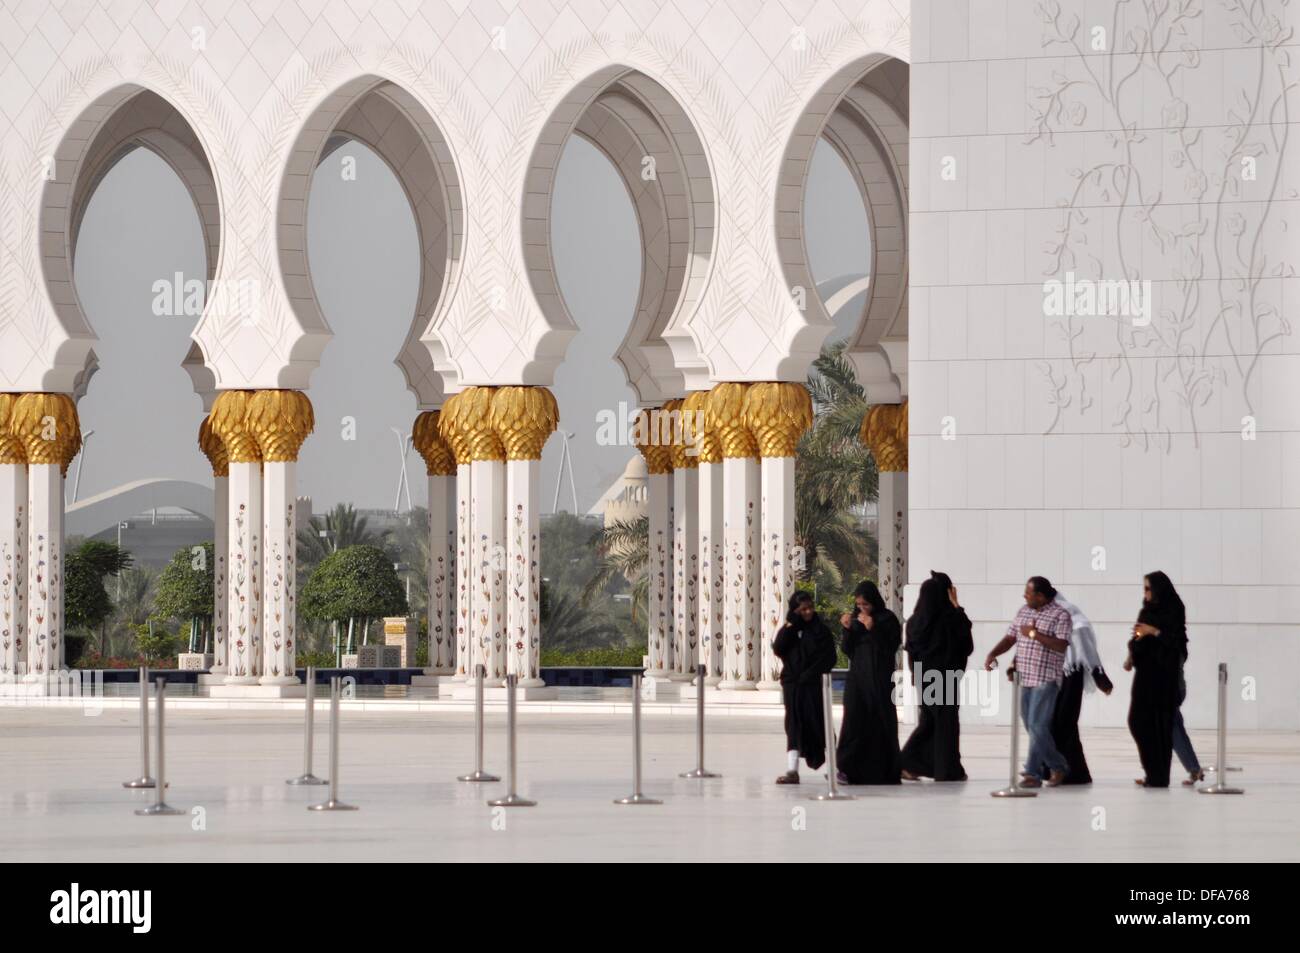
x,y
61,797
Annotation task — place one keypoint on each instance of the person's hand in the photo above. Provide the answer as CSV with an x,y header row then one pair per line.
x,y
866,619
952,597
845,621
1027,631
1142,629
990,663
1128,664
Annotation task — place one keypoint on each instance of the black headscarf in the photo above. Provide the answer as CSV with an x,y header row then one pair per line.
x,y
868,592
932,606
792,615
1167,609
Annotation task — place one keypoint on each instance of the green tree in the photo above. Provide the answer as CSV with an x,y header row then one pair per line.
x,y
340,528
356,583
568,625
185,590
86,600
624,549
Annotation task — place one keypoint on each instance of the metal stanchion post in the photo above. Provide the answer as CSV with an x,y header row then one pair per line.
x,y
833,790
636,797
334,804
478,774
159,806
698,771
307,777
511,799
1013,788
1220,786
143,781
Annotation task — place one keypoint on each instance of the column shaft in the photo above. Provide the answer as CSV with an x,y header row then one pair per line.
x,y
892,514
464,573
740,476
442,562
44,569
487,520
711,600
13,569
776,570
244,589
523,584
686,570
279,598
220,557
659,574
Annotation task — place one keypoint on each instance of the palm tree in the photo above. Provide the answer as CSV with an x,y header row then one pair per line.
x,y
343,527
133,604
837,475
624,548
570,624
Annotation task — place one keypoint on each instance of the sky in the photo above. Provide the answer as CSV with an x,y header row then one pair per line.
x,y
140,226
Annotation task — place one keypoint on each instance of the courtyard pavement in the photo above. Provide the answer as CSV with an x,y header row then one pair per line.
x,y
61,797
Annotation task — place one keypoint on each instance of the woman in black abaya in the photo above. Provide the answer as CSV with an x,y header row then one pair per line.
x,y
868,744
1155,656
938,642
806,649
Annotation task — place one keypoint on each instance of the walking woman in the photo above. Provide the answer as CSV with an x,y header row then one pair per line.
x,y
938,644
1156,655
806,649
868,744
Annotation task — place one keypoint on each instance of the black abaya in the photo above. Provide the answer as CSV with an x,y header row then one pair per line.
x,y
934,748
1065,728
868,747
806,651
1156,663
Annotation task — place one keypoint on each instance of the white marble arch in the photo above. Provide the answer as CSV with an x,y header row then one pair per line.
x,y
389,120
861,111
647,135
126,117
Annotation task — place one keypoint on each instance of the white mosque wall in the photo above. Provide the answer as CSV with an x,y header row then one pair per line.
x,y
1093,449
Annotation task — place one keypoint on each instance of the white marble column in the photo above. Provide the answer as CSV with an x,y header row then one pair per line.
x,y
686,566
244,589
13,562
44,569
740,539
892,511
220,556
523,582
658,570
464,573
487,520
279,598
777,543
442,569
711,593
884,431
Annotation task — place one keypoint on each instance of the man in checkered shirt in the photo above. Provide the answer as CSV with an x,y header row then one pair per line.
x,y
1041,634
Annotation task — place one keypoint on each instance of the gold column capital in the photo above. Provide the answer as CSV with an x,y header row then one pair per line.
x,y
280,420
428,441
229,421
473,421
523,417
213,448
47,427
679,427
726,419
695,409
884,431
645,434
11,446
777,413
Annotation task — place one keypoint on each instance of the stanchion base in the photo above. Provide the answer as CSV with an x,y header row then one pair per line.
x,y
698,773
332,805
159,810
1015,791
833,796
1220,789
478,776
1214,768
307,779
140,783
637,799
512,800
